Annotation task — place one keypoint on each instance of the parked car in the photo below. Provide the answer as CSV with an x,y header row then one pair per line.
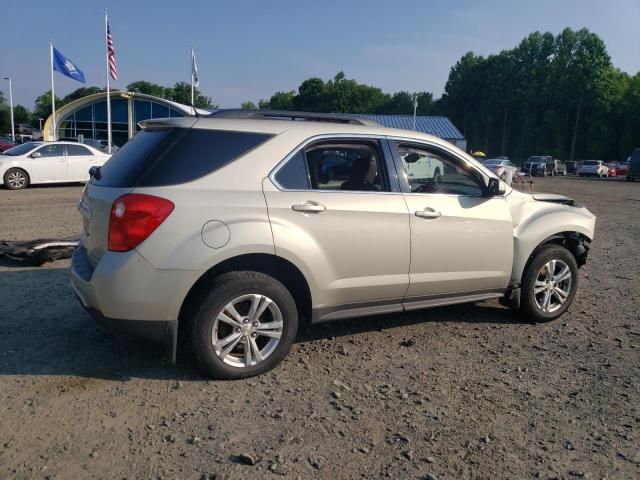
x,y
98,144
623,168
6,144
48,162
559,168
539,165
634,165
241,247
573,166
500,167
613,169
595,168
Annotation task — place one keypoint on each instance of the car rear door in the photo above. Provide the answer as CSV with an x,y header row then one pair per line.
x,y
461,240
49,165
79,160
349,232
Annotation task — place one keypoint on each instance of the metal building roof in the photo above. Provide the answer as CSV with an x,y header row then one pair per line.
x,y
439,126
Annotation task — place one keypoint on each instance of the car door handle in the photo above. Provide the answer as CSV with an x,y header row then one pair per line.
x,y
428,213
308,207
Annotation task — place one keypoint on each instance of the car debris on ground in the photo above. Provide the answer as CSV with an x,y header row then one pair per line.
x,y
40,251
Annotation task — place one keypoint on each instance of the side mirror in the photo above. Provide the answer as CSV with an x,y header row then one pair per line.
x,y
412,158
494,187
36,155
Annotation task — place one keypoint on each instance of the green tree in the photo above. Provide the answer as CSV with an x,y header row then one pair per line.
x,y
21,114
181,93
42,107
5,117
81,92
148,88
248,105
281,101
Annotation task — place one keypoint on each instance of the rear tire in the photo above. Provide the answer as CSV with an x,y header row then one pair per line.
x,y
16,179
549,284
245,326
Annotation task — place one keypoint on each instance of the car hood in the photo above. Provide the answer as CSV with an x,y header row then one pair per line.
x,y
552,197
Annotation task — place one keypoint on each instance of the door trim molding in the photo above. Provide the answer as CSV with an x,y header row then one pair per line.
x,y
381,307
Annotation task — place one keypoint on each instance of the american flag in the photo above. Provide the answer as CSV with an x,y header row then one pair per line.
x,y
111,53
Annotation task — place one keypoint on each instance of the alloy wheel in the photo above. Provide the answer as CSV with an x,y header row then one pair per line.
x,y
16,179
552,286
247,330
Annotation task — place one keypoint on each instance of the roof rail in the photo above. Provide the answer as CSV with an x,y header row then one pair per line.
x,y
290,115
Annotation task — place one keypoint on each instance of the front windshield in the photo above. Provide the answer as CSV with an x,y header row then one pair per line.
x,y
537,159
492,162
21,149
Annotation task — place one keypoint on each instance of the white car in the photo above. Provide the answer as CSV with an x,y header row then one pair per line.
x,y
48,162
420,166
500,166
594,167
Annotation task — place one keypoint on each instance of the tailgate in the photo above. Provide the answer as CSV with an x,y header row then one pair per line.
x,y
95,207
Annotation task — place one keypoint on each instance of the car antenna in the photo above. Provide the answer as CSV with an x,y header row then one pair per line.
x,y
194,109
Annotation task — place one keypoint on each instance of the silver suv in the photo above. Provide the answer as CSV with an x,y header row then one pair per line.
x,y
238,228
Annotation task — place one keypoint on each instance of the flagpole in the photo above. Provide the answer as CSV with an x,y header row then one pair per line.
x,y
53,92
415,109
193,105
106,46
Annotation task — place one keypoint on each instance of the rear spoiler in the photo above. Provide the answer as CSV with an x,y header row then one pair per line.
x,y
177,122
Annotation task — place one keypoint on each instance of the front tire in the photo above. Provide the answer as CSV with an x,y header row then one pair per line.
x,y
16,179
549,284
245,326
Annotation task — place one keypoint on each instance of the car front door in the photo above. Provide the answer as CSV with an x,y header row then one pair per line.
x,y
80,159
461,239
48,164
335,207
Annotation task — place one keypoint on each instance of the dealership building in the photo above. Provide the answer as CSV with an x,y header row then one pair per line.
x,y
87,117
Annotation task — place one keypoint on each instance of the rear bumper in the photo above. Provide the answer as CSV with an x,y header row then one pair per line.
x,y
124,293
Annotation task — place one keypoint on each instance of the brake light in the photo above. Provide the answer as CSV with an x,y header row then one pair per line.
x,y
133,218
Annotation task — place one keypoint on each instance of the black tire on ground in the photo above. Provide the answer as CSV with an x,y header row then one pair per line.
x,y
16,179
224,289
528,305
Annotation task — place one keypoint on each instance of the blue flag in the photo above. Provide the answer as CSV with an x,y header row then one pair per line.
x,y
66,67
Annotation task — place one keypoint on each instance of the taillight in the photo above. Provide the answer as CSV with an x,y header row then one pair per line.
x,y
133,218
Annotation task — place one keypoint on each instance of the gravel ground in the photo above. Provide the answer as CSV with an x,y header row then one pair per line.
x,y
461,392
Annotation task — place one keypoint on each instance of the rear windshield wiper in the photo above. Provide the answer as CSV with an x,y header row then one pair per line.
x,y
94,172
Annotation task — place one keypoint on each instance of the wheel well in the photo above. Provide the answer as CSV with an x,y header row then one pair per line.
x,y
577,243
277,267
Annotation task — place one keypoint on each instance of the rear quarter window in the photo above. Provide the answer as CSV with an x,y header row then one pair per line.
x,y
159,157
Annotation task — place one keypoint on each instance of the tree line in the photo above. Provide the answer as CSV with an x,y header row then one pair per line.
x,y
555,95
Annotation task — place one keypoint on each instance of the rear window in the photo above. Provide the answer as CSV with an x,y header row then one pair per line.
x,y
590,162
160,157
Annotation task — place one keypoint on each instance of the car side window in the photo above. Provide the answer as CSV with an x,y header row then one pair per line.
x,y
51,151
293,175
77,150
432,171
340,165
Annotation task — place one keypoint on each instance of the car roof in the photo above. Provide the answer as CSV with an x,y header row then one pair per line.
x,y
277,126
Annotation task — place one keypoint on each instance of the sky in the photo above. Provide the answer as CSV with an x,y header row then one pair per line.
x,y
249,49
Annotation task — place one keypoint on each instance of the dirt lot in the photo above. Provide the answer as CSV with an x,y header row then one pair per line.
x,y
459,392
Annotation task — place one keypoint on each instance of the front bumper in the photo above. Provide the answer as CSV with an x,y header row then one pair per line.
x,y
124,293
